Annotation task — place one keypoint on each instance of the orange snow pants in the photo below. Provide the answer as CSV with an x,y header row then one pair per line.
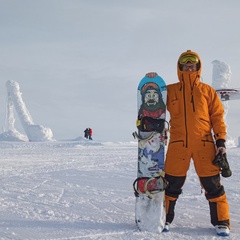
x,y
176,166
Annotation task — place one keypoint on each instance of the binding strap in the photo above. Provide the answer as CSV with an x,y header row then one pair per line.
x,y
149,124
149,186
136,135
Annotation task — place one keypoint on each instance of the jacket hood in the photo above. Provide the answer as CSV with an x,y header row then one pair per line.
x,y
194,76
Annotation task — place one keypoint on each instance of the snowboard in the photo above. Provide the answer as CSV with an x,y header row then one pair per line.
x,y
150,184
227,94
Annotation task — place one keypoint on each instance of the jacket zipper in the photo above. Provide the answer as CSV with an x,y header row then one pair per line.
x,y
204,120
177,141
192,101
185,114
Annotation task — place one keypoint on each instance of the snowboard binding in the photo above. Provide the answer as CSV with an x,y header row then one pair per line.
x,y
153,126
221,161
149,124
149,186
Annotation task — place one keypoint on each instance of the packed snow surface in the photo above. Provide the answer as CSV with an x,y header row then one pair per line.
x,y
83,190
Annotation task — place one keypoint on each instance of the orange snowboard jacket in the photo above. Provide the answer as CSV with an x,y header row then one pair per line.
x,y
196,112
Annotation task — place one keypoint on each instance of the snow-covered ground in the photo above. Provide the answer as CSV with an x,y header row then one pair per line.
x,y
83,190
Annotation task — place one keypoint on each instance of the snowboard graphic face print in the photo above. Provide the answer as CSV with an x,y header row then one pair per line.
x,y
152,102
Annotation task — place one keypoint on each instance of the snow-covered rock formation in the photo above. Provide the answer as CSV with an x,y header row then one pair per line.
x,y
34,132
221,77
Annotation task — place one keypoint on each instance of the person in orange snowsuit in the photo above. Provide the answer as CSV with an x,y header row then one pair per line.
x,y
195,113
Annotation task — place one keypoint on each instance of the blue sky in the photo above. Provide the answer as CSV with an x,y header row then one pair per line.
x,y
78,63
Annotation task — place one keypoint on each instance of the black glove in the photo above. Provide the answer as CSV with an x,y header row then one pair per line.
x,y
220,143
220,160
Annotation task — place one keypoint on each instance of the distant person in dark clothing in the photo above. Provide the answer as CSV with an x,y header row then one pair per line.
x,y
86,133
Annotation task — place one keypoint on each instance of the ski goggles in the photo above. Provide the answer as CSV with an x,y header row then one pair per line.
x,y
188,58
